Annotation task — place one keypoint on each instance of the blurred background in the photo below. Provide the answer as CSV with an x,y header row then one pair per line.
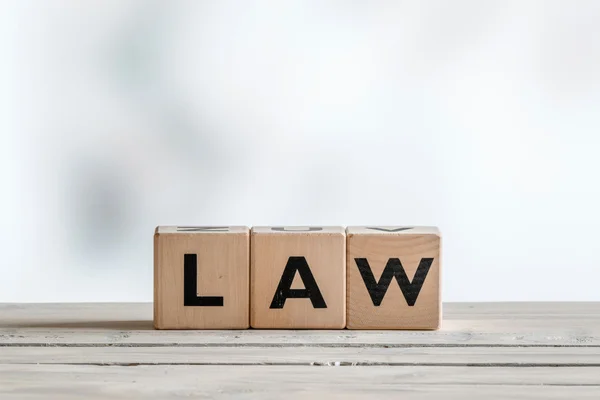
x,y
480,117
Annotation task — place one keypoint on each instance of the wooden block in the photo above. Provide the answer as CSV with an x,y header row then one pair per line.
x,y
298,278
393,278
201,277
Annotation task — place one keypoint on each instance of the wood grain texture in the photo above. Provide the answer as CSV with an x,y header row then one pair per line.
x,y
376,248
295,382
324,250
222,257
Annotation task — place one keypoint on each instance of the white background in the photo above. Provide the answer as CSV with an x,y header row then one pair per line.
x,y
480,117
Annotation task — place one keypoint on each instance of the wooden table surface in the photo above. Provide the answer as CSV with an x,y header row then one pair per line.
x,y
484,350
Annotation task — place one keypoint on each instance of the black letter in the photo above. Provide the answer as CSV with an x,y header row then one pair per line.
x,y
190,287
284,229
284,290
394,268
389,230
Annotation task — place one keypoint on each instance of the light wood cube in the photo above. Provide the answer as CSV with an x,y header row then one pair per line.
x,y
393,278
201,277
298,278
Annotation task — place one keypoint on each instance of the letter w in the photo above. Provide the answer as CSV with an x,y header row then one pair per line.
x,y
394,269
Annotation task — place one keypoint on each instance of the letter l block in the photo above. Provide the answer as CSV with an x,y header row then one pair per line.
x,y
201,277
393,278
298,278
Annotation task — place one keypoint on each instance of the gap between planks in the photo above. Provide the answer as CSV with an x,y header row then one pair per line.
x,y
484,357
302,345
332,364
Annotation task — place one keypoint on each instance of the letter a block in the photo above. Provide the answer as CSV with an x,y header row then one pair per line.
x,y
201,277
298,278
393,278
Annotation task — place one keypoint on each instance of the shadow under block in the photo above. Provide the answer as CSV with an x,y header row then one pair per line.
x,y
298,278
393,278
201,277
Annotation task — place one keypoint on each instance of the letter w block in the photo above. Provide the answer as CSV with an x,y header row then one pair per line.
x,y
393,277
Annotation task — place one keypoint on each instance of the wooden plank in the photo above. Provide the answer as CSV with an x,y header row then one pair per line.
x,y
493,350
295,382
11,313
115,315
475,324
433,356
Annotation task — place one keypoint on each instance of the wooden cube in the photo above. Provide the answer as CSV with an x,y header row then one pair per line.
x,y
201,277
393,278
298,278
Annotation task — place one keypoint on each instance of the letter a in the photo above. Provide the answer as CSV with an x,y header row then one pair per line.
x,y
284,290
